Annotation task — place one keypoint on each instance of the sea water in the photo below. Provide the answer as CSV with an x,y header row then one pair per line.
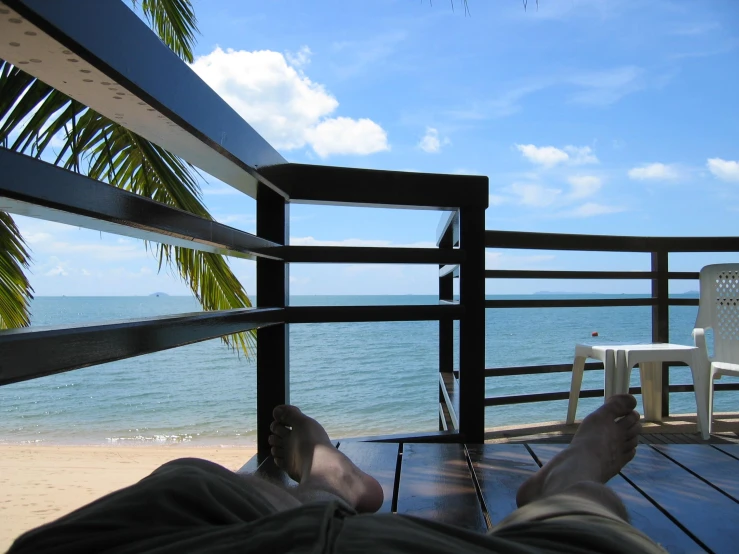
x,y
356,378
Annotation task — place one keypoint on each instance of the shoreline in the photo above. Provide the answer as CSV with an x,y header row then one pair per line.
x,y
40,483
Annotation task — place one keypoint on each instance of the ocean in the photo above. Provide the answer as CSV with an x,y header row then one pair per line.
x,y
356,378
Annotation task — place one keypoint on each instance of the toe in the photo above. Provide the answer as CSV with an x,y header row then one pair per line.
x,y
288,415
275,440
279,429
277,452
619,405
630,455
629,420
631,444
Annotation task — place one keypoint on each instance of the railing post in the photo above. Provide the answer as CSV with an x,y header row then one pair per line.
x,y
661,317
446,326
472,325
273,361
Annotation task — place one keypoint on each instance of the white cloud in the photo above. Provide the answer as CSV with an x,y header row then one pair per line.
x,y
283,104
592,209
531,194
581,155
584,185
543,155
726,170
549,156
497,199
343,135
655,172
299,58
431,142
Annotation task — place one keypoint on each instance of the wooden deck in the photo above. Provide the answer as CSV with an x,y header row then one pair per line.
x,y
684,496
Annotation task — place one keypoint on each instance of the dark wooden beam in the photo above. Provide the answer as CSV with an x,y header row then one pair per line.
x,y
472,325
34,188
317,184
345,314
367,255
568,302
92,50
661,316
607,243
273,291
39,351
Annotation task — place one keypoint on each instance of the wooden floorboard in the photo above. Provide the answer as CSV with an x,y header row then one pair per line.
x,y
644,515
707,514
435,483
731,449
378,459
709,464
501,469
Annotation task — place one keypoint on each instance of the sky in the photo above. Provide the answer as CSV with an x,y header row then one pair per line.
x,y
588,116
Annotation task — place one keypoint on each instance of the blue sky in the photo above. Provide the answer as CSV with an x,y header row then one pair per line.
x,y
608,117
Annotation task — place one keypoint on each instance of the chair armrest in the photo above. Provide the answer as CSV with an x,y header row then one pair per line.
x,y
699,339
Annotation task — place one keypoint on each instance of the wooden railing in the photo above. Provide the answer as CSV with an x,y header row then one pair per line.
x,y
160,98
660,301
157,96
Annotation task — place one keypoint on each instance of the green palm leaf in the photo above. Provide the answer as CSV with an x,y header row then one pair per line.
x,y
33,113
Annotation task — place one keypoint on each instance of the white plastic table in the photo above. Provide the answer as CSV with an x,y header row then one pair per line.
x,y
619,359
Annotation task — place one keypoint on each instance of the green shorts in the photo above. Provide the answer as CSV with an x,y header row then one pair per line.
x,y
192,505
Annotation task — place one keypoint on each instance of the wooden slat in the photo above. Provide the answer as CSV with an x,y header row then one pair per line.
x,y
707,514
345,314
569,302
708,463
730,449
366,255
435,483
378,459
501,469
34,352
38,189
645,516
608,243
450,391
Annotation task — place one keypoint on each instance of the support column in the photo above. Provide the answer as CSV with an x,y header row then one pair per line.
x,y
273,348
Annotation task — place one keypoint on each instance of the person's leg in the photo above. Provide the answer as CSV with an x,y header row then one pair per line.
x,y
301,447
604,443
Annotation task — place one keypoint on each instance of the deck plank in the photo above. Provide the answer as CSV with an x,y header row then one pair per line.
x,y
501,469
644,515
380,460
731,449
709,515
436,484
709,463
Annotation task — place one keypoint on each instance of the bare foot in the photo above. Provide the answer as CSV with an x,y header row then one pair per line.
x,y
598,451
301,447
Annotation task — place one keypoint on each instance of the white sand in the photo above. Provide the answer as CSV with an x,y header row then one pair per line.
x,y
42,483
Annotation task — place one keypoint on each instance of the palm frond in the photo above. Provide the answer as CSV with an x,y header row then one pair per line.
x,y
15,290
175,23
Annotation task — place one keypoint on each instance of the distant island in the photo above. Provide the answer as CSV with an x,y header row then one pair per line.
x,y
157,294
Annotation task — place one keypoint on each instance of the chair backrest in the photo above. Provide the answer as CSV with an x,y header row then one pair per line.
x,y
719,309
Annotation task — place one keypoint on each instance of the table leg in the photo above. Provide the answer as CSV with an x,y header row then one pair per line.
x,y
578,367
651,390
610,375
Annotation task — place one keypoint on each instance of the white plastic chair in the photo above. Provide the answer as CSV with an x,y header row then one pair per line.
x,y
718,310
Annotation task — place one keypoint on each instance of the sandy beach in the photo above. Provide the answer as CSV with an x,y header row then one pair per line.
x,y
41,483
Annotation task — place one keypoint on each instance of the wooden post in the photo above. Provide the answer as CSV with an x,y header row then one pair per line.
x,y
661,317
446,326
273,352
472,325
